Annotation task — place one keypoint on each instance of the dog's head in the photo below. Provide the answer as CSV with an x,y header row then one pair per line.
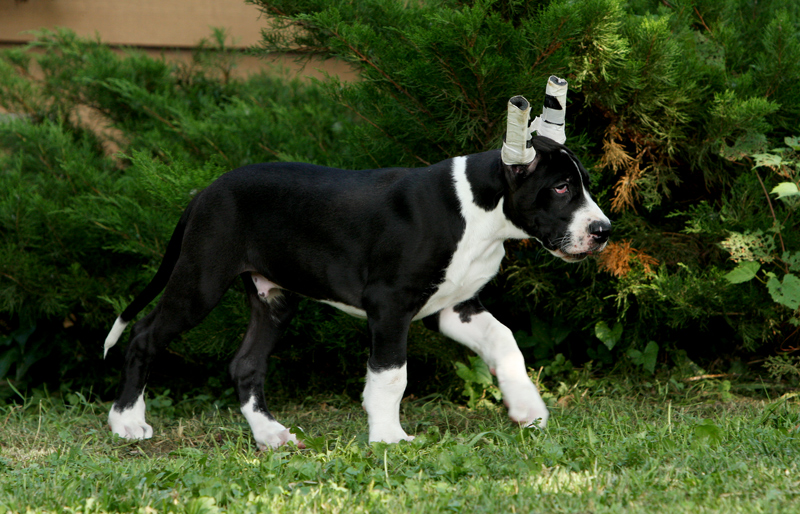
x,y
549,200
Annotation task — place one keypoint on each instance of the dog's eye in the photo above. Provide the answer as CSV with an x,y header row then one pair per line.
x,y
562,189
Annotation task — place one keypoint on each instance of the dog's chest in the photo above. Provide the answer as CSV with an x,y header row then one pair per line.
x,y
479,252
473,264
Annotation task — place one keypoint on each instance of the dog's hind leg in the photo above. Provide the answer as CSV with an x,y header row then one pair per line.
x,y
270,314
189,296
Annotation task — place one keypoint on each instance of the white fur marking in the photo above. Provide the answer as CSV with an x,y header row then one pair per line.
x,y
479,252
495,344
349,309
579,239
113,335
382,396
268,291
267,432
130,423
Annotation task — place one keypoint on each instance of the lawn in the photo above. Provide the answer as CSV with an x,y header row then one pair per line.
x,y
613,445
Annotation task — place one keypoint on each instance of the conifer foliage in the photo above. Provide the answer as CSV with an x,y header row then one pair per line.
x,y
687,112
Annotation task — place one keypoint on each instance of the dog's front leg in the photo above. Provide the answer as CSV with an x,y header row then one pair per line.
x,y
471,325
382,396
386,376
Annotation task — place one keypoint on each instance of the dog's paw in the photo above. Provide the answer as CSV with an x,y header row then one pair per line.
x,y
528,415
130,423
132,431
406,437
273,440
389,435
267,432
525,406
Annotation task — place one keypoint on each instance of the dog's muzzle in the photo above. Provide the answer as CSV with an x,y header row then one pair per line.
x,y
597,236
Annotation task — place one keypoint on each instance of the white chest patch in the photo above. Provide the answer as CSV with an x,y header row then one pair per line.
x,y
479,252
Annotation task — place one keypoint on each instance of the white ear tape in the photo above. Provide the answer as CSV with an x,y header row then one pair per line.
x,y
551,122
515,147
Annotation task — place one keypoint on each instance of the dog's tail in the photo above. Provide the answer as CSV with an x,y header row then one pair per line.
x,y
156,285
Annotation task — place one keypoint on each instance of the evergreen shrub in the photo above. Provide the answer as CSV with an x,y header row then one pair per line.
x,y
686,111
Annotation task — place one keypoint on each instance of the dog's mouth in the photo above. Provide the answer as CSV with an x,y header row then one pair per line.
x,y
570,257
577,257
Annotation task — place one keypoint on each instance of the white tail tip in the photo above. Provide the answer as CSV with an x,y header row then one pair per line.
x,y
113,335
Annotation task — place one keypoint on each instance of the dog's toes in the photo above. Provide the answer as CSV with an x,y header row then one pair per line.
x,y
286,436
278,439
133,431
529,416
391,437
525,406
130,428
528,413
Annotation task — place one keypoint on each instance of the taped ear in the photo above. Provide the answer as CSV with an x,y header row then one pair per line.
x,y
518,172
517,146
551,123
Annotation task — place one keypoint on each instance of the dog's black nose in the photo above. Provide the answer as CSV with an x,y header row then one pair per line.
x,y
600,231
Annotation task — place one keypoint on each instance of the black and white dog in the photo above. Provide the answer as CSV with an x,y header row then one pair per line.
x,y
391,245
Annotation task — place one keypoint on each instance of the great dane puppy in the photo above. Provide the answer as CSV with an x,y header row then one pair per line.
x,y
391,245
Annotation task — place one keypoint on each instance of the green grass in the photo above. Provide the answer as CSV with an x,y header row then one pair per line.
x,y
610,447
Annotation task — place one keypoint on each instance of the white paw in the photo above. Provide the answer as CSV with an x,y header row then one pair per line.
x,y
132,430
525,406
130,423
382,395
273,440
527,415
389,435
267,432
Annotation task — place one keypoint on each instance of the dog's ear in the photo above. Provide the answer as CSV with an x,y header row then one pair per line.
x,y
518,172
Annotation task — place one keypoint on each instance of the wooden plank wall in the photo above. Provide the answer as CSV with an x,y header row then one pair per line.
x,y
146,23
169,27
